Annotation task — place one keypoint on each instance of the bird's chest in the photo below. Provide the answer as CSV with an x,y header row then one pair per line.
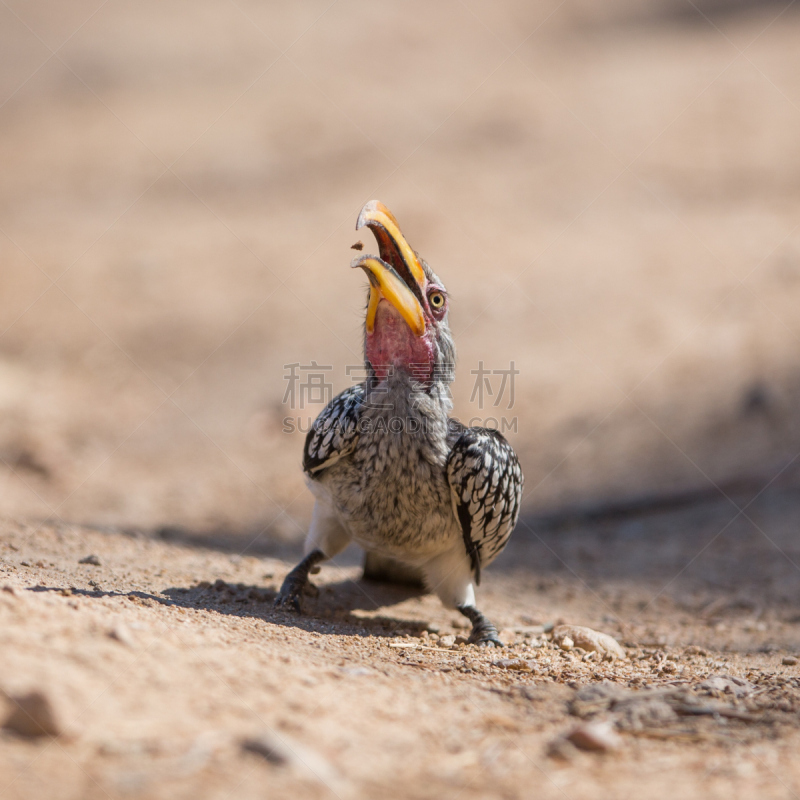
x,y
393,493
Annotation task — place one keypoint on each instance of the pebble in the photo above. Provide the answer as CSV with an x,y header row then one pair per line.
x,y
728,684
283,751
569,636
269,747
516,664
789,661
90,559
447,641
599,737
562,749
32,715
122,634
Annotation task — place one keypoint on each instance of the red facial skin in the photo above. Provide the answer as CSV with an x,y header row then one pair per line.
x,y
392,345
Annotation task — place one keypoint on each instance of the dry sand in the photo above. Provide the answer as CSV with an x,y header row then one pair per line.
x,y
610,193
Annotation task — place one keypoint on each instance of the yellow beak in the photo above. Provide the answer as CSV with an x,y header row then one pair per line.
x,y
385,283
382,223
398,275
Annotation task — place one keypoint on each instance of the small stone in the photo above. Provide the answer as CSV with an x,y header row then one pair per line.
x,y
789,661
562,749
461,639
590,640
32,715
694,650
727,684
269,747
283,751
516,664
599,737
447,641
122,634
90,559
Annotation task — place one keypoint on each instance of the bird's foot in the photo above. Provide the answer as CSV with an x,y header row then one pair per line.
x,y
288,598
484,633
296,582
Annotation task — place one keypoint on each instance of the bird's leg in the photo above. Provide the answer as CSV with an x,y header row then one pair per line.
x,y
484,632
293,584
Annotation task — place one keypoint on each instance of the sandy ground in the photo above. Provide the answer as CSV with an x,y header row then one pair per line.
x,y
167,668
609,191
612,203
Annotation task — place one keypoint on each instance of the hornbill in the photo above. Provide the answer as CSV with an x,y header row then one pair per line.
x,y
387,466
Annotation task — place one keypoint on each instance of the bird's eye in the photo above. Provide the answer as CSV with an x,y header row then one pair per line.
x,y
436,300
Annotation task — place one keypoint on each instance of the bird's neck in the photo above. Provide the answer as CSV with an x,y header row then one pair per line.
x,y
400,393
400,413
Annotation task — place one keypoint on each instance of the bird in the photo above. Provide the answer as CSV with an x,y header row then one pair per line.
x,y
387,465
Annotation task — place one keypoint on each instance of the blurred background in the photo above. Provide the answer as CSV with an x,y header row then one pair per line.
x,y
610,192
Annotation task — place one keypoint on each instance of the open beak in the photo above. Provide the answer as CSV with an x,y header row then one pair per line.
x,y
385,283
397,276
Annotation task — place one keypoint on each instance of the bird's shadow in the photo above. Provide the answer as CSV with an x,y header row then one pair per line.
x,y
328,608
325,609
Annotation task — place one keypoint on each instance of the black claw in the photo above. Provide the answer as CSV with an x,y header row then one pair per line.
x,y
287,602
484,633
288,598
296,582
485,636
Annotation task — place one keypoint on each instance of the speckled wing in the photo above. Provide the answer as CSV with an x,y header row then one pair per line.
x,y
334,433
486,487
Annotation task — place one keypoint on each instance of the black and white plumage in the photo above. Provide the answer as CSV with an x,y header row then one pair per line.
x,y
389,469
486,485
334,433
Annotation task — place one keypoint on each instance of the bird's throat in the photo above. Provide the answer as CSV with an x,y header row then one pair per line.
x,y
392,346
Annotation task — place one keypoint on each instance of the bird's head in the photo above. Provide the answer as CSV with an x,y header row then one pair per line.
x,y
406,324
